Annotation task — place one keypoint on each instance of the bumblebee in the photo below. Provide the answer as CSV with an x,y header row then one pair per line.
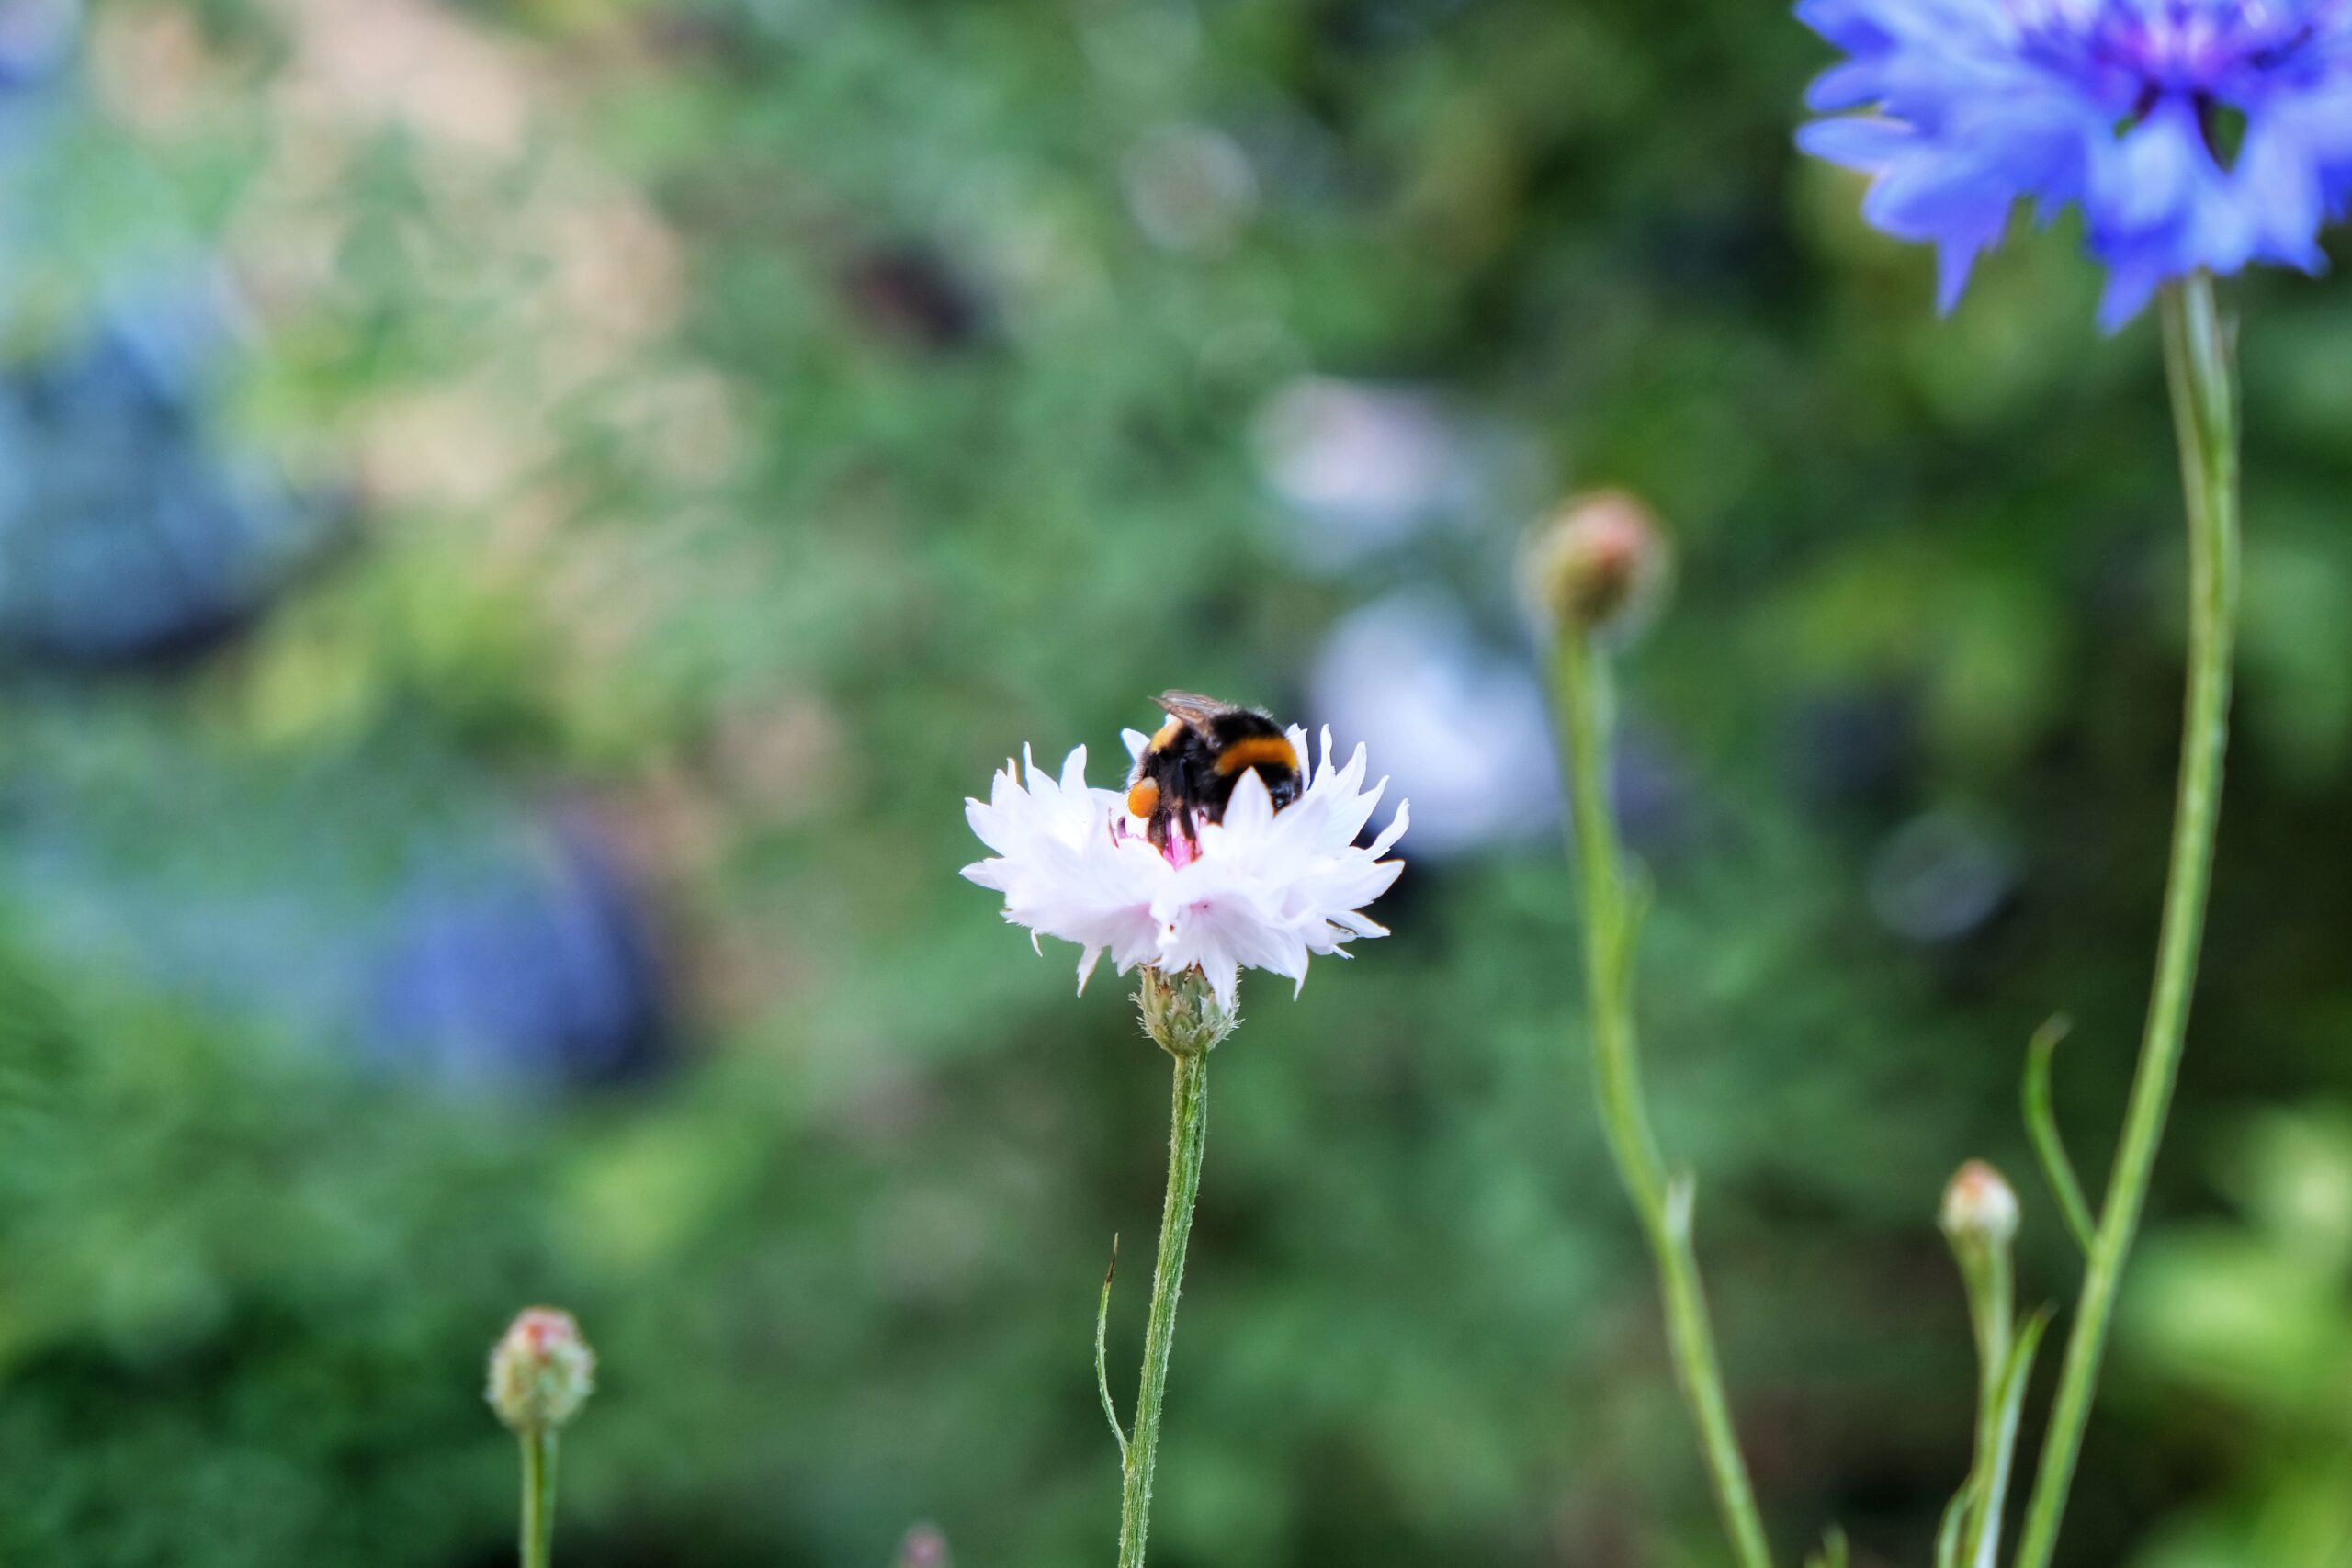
x,y
1192,765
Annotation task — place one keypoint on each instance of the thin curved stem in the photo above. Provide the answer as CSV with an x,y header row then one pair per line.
x,y
2204,399
538,1497
1663,1206
1188,1137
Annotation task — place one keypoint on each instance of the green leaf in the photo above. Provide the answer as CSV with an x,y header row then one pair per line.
x,y
1956,1516
1102,1369
2042,1127
2016,1377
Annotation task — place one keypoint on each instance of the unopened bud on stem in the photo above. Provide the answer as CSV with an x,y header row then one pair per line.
x,y
541,1372
1980,1210
1598,566
1182,1013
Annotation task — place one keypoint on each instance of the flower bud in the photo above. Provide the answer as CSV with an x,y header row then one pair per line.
x,y
541,1372
1980,1210
1599,565
1182,1013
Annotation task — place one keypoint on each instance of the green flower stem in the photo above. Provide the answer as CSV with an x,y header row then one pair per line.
x,y
2204,401
1986,1271
1584,696
1188,1136
538,1497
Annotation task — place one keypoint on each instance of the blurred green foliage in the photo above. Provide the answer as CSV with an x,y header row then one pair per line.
x,y
2249,1321
761,417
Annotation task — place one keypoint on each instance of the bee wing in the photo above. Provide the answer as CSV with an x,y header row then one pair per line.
x,y
1192,707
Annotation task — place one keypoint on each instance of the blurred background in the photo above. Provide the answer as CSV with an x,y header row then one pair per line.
x,y
522,520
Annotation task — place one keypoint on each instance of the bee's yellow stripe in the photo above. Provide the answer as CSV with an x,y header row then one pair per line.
x,y
1167,735
1259,750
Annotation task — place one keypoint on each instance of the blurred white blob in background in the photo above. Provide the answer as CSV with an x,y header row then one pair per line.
x,y
1191,188
1457,724
1362,468
1938,876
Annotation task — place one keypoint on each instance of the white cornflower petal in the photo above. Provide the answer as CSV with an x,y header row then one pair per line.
x,y
1060,874
1268,889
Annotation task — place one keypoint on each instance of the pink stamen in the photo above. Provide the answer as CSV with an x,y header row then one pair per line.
x,y
1182,851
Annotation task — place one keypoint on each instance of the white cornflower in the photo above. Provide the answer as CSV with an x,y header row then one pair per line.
x,y
1265,889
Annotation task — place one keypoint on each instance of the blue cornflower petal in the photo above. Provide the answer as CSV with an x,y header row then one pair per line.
x,y
2129,285
1848,23
2148,177
2283,191
1855,85
1956,254
1856,141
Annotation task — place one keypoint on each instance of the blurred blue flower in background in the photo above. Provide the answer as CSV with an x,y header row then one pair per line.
x,y
423,921
36,40
531,964
407,911
2192,133
126,532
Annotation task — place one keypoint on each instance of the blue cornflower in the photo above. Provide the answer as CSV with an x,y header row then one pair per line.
x,y
2193,134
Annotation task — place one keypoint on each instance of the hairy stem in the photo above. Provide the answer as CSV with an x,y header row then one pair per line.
x,y
2204,401
1663,1207
1188,1136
